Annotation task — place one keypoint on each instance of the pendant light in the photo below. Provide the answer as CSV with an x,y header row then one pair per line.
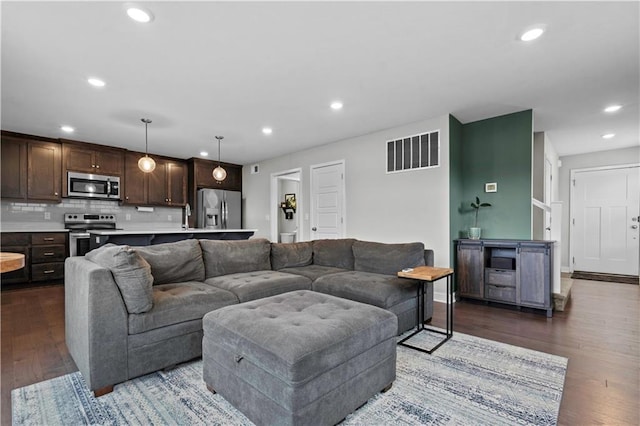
x,y
219,173
146,163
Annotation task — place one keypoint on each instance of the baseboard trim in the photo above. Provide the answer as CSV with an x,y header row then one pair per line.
x,y
441,297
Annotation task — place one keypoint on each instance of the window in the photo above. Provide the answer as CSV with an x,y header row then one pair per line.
x,y
413,152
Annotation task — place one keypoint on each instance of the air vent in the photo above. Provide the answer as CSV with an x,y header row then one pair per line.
x,y
413,152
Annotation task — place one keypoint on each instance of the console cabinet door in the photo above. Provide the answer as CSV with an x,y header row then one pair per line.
x,y
534,272
470,270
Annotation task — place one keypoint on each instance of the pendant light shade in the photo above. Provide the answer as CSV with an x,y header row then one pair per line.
x,y
219,173
146,163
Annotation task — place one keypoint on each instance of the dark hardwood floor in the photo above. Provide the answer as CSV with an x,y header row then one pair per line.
x,y
598,332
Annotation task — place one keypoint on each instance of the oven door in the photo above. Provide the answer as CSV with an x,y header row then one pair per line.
x,y
78,243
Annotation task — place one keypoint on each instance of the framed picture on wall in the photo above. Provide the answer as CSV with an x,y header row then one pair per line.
x,y
491,187
290,200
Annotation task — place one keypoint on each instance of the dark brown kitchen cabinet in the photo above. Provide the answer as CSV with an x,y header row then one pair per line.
x,y
136,184
89,158
514,272
14,168
31,168
203,175
165,186
44,252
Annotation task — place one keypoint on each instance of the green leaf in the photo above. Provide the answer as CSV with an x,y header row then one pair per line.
x,y
485,205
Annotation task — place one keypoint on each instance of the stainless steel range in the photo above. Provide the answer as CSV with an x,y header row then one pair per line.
x,y
79,225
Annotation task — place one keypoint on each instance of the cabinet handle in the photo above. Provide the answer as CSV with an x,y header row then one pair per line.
x,y
49,271
93,166
47,239
97,166
166,200
55,193
169,199
49,253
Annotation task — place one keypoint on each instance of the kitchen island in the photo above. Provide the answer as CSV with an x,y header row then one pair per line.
x,y
148,237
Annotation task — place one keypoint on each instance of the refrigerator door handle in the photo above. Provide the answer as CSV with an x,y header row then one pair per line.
x,y
224,215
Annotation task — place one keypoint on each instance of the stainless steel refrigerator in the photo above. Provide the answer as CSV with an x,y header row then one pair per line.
x,y
219,209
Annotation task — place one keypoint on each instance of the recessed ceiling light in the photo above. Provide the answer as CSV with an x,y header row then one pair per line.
x,y
204,153
612,108
139,15
96,82
608,135
267,130
336,105
531,34
67,129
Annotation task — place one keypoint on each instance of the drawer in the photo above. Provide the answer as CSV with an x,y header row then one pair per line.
x,y
499,293
15,239
47,271
500,277
48,238
54,253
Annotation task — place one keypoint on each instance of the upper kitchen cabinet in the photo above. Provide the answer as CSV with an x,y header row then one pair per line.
x,y
203,178
31,168
165,186
90,158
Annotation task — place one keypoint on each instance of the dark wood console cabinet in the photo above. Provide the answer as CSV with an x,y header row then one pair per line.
x,y
514,272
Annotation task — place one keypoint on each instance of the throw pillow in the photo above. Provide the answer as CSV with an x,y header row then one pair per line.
x,y
387,259
223,257
174,262
131,273
291,255
337,253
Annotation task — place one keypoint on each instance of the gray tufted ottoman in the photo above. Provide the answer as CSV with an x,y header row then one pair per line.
x,y
299,358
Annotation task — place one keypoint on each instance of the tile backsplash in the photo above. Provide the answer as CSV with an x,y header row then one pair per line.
x,y
52,215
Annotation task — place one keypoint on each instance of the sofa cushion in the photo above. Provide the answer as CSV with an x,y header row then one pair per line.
x,y
313,271
131,273
230,257
386,259
336,253
289,255
180,302
258,284
379,290
174,262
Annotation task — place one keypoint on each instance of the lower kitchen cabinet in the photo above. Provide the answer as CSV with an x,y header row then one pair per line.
x,y
44,252
514,272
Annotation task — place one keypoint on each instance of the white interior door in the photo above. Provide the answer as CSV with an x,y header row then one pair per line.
x,y
605,209
327,201
548,197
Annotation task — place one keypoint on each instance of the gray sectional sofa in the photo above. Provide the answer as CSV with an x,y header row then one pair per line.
x,y
134,310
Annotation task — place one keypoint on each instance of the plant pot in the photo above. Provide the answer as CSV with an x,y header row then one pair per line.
x,y
474,233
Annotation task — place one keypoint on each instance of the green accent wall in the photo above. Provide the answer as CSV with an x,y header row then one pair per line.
x,y
497,150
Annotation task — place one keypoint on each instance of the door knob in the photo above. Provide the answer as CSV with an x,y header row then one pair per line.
x,y
314,229
634,226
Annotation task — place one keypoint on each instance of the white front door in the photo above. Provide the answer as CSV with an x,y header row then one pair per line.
x,y
605,209
327,201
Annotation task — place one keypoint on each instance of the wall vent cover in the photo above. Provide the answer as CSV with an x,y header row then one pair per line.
x,y
413,152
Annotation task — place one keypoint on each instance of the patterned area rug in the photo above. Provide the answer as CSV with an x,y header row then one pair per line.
x,y
612,278
466,381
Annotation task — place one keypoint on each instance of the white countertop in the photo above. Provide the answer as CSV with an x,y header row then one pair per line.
x,y
166,231
31,228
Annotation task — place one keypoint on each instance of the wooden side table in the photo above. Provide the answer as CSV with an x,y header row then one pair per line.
x,y
11,261
429,274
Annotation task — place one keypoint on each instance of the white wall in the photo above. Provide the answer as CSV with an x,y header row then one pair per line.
x,y
399,207
584,161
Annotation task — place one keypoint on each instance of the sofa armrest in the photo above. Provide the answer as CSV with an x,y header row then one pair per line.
x,y
428,257
95,323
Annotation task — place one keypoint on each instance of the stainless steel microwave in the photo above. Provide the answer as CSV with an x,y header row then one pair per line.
x,y
93,186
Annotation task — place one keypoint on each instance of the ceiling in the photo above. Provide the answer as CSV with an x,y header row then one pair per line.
x,y
200,69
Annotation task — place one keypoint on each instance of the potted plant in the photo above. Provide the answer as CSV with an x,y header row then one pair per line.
x,y
474,231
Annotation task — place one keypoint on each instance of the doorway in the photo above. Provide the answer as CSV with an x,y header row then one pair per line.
x,y
285,223
328,218
605,206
